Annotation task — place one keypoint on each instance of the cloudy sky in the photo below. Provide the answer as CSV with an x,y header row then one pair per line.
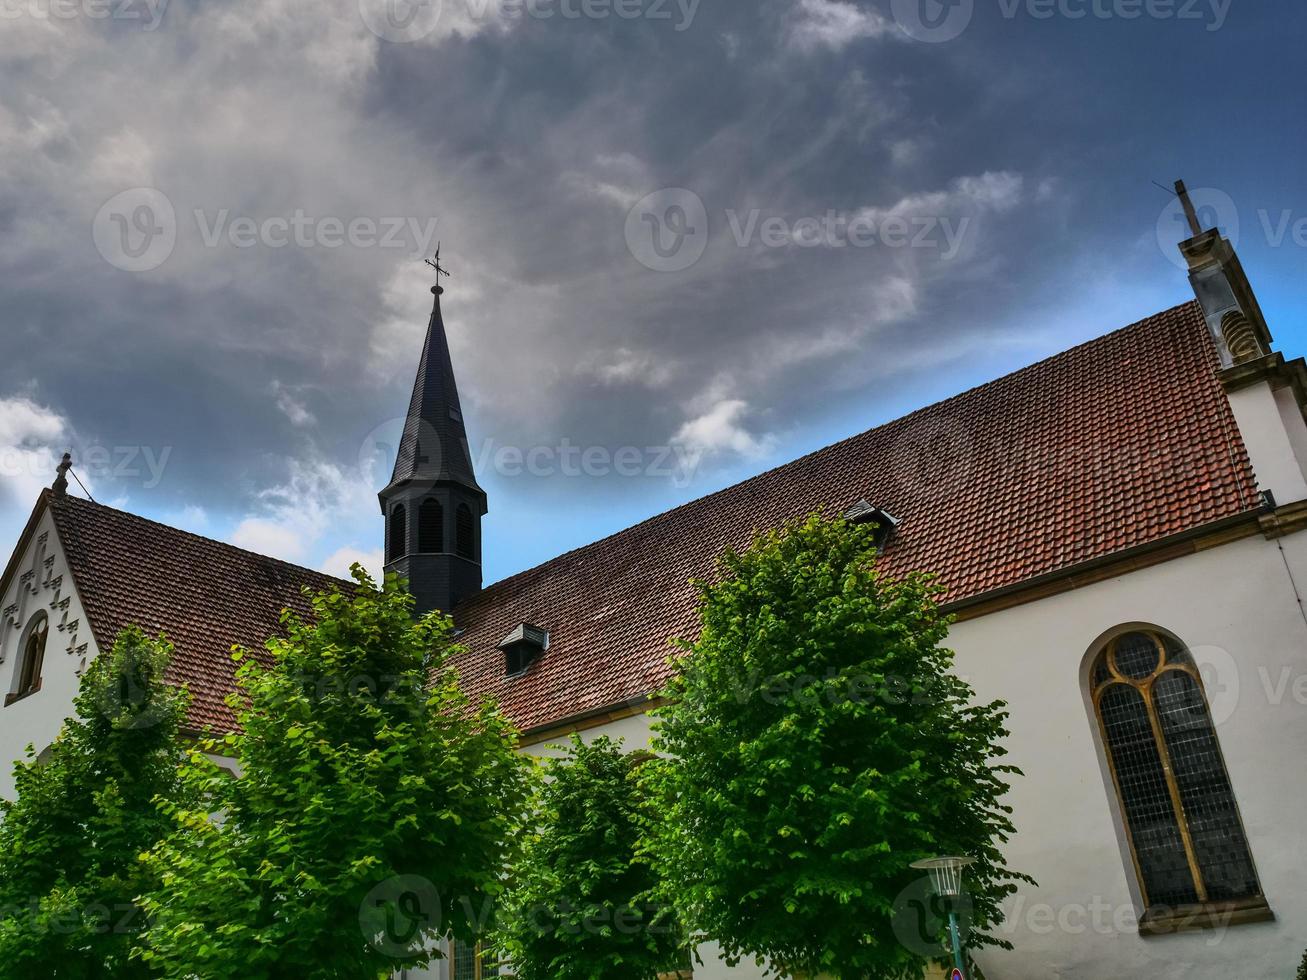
x,y
689,240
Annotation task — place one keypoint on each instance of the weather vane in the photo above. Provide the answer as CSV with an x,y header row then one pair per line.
x,y
440,270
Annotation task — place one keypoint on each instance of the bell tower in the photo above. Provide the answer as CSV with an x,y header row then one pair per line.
x,y
433,504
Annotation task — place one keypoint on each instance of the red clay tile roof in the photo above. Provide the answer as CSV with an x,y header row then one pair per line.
x,y
1120,442
204,595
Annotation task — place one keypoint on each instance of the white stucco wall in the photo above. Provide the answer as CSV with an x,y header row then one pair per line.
x,y
43,583
1270,432
1236,609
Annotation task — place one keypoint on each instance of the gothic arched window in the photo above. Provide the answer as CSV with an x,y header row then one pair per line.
x,y
398,532
431,527
1176,800
31,657
465,530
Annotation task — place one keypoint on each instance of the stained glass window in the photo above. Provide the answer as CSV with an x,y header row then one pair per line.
x,y
1179,809
29,675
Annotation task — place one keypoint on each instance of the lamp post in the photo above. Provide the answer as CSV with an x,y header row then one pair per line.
x,y
946,880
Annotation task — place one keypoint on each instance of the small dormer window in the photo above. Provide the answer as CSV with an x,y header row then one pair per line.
x,y
33,657
864,512
522,648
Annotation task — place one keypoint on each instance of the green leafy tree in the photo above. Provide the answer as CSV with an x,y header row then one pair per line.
x,y
818,745
374,811
582,905
1302,969
69,841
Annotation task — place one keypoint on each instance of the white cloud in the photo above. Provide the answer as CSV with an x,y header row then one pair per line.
x,y
994,191
32,439
721,430
340,562
629,367
276,540
833,24
290,520
292,407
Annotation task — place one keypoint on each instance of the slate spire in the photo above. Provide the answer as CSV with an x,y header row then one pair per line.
x,y
434,445
433,503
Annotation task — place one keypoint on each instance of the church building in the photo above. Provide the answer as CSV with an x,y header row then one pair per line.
x,y
1118,531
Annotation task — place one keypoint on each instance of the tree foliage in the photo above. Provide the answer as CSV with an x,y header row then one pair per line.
x,y
374,810
69,841
820,744
582,906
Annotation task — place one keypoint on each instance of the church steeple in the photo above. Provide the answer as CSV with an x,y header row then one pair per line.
x,y
433,504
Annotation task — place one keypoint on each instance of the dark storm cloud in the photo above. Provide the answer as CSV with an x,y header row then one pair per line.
x,y
267,364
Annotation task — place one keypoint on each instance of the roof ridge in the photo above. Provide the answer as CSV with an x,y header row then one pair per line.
x,y
60,501
518,576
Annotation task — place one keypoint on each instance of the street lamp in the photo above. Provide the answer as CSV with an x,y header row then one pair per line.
x,y
946,880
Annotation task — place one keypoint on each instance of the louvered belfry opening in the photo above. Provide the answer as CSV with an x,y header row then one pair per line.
x,y
398,543
465,532
431,527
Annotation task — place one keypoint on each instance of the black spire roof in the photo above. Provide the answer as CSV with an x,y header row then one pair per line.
x,y
434,446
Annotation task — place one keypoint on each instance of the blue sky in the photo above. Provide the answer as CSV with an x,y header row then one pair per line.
x,y
890,215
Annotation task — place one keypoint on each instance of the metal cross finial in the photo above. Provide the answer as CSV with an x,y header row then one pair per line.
x,y
435,264
1190,211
